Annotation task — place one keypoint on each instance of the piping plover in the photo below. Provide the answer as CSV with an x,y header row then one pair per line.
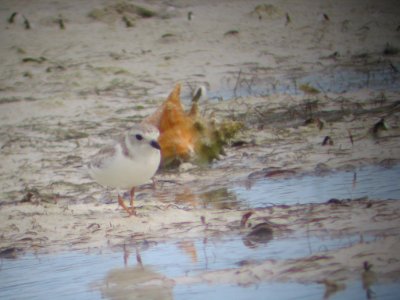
x,y
129,162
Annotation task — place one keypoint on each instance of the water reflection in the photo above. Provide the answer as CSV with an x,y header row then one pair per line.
x,y
136,283
270,186
331,287
219,198
368,279
148,272
189,248
374,182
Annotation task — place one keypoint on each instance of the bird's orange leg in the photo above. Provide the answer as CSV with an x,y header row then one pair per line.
x,y
129,210
132,194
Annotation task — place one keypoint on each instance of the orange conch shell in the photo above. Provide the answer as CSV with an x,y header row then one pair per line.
x,y
187,135
178,135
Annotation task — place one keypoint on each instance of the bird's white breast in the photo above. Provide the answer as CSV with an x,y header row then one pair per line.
x,y
120,171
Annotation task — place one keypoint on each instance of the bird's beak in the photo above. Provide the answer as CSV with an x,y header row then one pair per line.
x,y
155,144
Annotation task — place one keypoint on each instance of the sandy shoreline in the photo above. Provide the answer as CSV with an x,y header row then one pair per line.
x,y
98,76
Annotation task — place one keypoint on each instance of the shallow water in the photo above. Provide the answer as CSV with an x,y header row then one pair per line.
x,y
338,79
271,290
287,188
116,273
373,182
276,290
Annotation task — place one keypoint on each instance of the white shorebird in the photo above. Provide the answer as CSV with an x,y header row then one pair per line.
x,y
129,162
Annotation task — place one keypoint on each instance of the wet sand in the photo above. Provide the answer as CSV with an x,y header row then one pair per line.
x,y
65,92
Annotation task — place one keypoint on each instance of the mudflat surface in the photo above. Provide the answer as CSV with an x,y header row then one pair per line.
x,y
278,68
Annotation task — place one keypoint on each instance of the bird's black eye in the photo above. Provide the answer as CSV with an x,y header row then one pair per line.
x,y
139,137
